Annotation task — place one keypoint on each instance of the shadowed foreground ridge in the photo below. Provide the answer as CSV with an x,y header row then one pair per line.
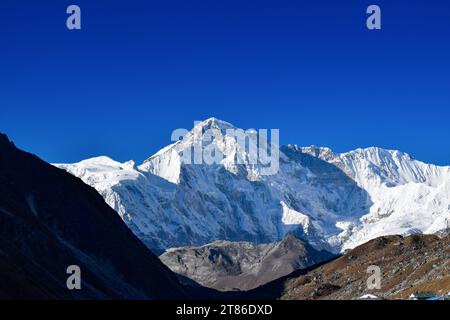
x,y
49,220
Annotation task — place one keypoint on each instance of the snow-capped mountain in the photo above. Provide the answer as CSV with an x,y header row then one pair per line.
x,y
335,201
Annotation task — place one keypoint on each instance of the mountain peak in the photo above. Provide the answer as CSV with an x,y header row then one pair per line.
x,y
380,153
4,140
100,160
213,123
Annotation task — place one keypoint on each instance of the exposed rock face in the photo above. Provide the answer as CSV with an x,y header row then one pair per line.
x,y
410,264
228,266
50,220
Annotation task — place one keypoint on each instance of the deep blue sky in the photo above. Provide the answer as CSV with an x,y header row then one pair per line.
x,y
139,69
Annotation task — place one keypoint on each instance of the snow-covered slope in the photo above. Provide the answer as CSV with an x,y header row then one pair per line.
x,y
408,196
335,201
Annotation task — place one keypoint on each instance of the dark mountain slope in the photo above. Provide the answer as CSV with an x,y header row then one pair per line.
x,y
50,219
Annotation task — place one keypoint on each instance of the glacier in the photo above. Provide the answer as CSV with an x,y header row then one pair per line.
x,y
335,201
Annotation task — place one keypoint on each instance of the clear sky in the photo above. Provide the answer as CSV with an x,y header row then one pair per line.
x,y
139,69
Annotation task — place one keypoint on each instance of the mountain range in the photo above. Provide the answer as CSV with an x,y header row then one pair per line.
x,y
334,201
306,232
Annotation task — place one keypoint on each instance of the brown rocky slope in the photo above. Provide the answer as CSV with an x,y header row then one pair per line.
x,y
407,264
414,263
